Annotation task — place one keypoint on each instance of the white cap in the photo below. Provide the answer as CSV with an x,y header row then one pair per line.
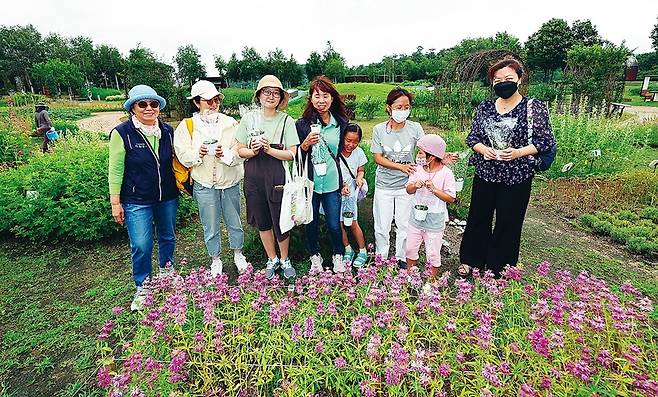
x,y
205,89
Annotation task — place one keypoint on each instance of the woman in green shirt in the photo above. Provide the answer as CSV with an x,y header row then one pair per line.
x,y
321,130
267,138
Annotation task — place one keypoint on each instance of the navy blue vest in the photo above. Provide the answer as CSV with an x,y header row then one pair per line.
x,y
147,179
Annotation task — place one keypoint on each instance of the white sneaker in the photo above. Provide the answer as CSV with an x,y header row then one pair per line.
x,y
240,262
165,271
138,300
216,266
316,263
339,266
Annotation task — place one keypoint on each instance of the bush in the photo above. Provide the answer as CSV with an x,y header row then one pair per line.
x,y
367,107
15,147
637,231
72,202
542,91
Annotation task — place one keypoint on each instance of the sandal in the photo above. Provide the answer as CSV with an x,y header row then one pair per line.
x,y
348,256
463,270
361,259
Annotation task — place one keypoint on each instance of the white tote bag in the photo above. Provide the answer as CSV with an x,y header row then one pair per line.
x,y
296,204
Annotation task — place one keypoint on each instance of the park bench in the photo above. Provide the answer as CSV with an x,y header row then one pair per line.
x,y
617,108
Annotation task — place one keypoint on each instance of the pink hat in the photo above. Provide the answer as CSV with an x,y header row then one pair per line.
x,y
433,144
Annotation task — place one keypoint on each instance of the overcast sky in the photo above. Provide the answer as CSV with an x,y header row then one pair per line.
x,y
363,31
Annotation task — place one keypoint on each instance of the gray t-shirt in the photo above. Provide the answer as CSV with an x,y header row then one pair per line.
x,y
398,146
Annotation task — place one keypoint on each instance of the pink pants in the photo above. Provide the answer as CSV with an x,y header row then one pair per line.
x,y
433,242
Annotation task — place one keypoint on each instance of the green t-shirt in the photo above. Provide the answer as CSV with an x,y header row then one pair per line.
x,y
327,183
254,123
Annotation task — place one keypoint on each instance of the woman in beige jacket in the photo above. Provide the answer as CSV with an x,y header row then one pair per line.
x,y
210,150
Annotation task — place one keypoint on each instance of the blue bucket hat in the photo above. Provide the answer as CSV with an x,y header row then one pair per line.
x,y
141,91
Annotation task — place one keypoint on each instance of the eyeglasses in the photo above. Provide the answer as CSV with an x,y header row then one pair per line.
x,y
212,100
144,104
272,93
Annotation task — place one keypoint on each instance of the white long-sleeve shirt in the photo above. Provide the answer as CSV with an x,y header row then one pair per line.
x,y
208,170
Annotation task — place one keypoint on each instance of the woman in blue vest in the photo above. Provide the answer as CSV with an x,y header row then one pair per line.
x,y
142,186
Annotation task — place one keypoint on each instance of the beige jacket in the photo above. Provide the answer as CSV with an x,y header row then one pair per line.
x,y
208,170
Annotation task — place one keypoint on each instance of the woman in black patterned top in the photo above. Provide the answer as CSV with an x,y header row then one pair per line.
x,y
504,167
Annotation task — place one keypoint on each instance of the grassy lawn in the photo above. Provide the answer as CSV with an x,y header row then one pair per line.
x,y
632,96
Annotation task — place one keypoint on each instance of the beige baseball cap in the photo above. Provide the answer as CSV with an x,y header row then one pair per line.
x,y
204,89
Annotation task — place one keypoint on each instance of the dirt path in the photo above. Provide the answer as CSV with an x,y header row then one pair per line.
x,y
642,114
104,121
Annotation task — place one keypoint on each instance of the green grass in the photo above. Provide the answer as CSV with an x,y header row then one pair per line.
x,y
632,96
103,93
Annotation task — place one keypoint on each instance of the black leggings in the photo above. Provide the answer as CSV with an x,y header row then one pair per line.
x,y
483,248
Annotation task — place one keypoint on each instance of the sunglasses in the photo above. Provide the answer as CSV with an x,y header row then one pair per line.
x,y
144,104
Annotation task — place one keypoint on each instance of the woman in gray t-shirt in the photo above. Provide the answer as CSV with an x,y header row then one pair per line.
x,y
393,147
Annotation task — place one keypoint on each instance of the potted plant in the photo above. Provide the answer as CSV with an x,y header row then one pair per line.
x,y
420,212
348,218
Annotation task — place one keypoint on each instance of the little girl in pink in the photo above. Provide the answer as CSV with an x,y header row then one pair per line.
x,y
433,185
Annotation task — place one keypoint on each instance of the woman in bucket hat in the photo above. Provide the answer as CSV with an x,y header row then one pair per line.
x,y
209,149
142,186
267,137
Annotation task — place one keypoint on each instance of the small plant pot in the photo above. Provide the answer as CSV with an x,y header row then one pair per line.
x,y
420,212
348,218
459,184
498,154
320,169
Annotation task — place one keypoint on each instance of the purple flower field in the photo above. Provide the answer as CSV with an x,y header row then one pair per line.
x,y
383,332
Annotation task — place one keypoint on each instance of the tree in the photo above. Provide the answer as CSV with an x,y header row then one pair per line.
x,y
82,51
596,74
56,46
547,48
585,33
189,65
109,64
20,48
252,64
314,66
56,74
221,66
335,69
275,63
292,72
233,72
142,67
331,53
654,37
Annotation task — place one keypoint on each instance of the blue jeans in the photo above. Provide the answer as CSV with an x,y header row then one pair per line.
x,y
331,203
213,205
139,221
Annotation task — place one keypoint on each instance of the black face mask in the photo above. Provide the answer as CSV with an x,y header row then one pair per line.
x,y
506,89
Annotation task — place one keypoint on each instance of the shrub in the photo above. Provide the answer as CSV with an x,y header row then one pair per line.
x,y
542,91
637,231
72,200
15,147
367,107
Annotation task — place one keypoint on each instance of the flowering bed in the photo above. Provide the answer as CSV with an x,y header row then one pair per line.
x,y
383,332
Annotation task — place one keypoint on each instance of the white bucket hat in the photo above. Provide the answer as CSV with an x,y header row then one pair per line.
x,y
205,89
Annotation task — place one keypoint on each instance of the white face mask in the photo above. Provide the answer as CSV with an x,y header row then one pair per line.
x,y
209,116
400,116
421,161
